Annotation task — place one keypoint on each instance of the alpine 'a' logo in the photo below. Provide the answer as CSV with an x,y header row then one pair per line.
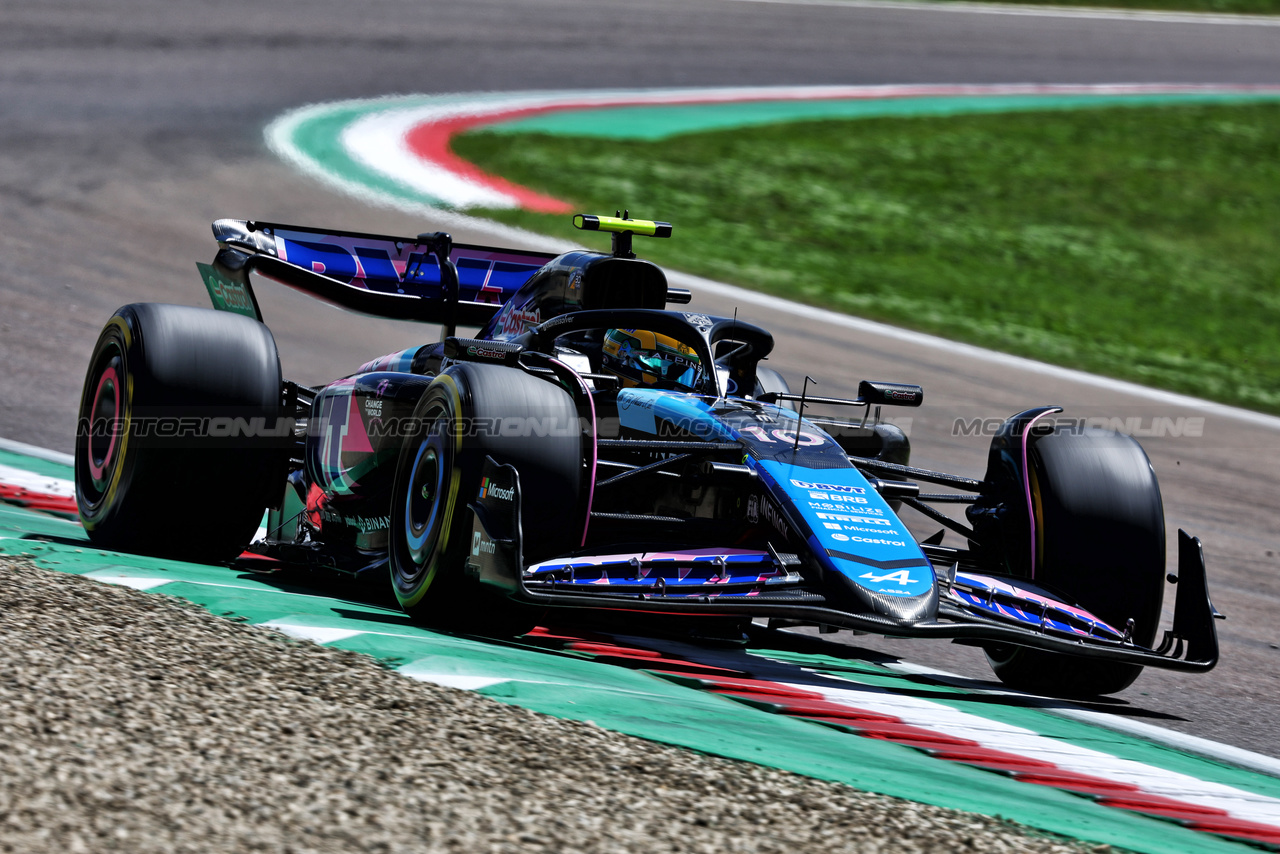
x,y
902,576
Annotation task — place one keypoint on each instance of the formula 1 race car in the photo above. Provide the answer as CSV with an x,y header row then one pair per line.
x,y
589,451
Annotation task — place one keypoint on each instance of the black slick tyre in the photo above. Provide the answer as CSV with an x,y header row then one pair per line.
x,y
1100,543
470,412
177,449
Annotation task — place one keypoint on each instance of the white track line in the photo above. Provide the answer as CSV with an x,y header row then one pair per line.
x,y
37,483
318,634
1225,753
996,735
1085,12
37,452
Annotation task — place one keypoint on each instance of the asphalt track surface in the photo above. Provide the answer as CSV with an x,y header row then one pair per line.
x,y
127,127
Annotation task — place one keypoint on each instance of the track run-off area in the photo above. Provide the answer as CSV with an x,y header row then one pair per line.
x,y
395,151
784,701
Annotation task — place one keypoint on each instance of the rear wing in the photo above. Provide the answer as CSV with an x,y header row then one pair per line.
x,y
401,278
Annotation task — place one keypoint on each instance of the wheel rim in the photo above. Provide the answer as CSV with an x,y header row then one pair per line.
x,y
103,419
103,415
422,500
425,497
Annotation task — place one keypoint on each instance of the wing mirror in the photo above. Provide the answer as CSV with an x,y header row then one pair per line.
x,y
890,394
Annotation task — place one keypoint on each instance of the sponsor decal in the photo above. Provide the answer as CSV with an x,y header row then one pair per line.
x,y
489,488
701,321
831,505
480,544
641,401
363,524
875,541
372,407
838,496
828,487
891,532
226,294
856,520
514,321
486,353
762,507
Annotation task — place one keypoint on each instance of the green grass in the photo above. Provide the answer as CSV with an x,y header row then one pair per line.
x,y
1141,243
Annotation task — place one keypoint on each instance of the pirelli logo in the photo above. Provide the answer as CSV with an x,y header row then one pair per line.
x,y
856,520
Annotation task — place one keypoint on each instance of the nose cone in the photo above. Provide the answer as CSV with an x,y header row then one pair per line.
x,y
901,610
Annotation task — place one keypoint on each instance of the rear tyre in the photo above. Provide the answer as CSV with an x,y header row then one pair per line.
x,y
768,380
158,468
1100,542
471,412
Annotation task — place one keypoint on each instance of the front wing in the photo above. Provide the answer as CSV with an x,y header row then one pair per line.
x,y
973,608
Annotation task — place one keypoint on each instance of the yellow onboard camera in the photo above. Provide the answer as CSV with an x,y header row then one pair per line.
x,y
622,227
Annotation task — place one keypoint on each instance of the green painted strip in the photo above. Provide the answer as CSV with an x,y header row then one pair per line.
x,y
16,523
661,122
35,465
319,136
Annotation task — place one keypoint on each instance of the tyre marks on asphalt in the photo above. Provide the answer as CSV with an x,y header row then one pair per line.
x,y
847,720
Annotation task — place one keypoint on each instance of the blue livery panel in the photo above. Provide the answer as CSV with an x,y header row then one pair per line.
x,y
391,266
849,526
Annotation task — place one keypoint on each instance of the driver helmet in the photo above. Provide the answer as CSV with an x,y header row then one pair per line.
x,y
643,358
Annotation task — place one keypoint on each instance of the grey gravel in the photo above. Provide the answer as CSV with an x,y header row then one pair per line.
x,y
139,722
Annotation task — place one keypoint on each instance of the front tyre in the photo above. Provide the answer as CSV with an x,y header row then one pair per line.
x,y
1100,542
470,412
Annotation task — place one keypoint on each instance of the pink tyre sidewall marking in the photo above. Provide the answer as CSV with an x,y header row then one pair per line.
x,y
109,375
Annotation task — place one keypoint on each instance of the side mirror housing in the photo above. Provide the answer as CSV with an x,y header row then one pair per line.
x,y
890,394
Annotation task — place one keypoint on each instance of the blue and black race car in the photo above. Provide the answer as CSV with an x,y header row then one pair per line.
x,y
592,451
